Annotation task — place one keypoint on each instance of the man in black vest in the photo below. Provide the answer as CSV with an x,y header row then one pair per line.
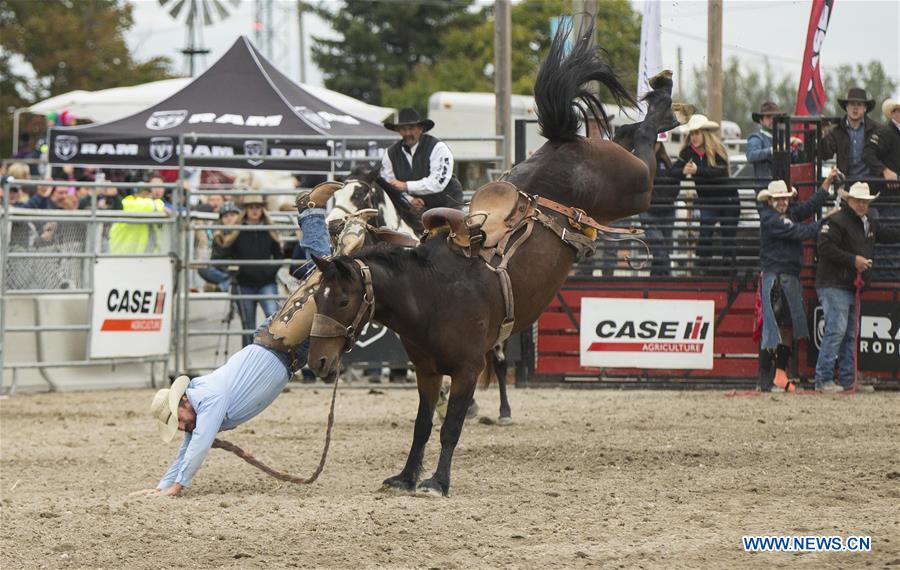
x,y
420,165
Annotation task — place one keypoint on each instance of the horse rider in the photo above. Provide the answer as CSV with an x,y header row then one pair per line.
x,y
782,234
247,383
420,165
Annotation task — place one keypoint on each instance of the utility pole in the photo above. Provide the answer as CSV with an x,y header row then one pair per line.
x,y
300,9
678,84
503,78
714,61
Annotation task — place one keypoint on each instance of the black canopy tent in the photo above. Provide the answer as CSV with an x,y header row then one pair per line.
x,y
242,105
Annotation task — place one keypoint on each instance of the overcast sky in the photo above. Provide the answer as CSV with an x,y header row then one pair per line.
x,y
860,30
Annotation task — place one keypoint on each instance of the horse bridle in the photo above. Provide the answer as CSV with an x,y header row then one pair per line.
x,y
324,326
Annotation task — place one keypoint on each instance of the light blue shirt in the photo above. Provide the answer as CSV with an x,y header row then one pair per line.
x,y
224,399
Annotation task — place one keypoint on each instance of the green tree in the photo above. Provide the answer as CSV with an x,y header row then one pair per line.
x,y
745,88
870,76
383,42
68,44
466,62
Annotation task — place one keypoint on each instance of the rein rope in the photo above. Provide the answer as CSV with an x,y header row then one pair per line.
x,y
246,456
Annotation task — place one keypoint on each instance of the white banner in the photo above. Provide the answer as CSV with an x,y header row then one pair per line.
x,y
132,308
647,333
650,62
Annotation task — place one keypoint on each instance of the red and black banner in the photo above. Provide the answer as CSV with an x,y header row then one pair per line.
x,y
811,94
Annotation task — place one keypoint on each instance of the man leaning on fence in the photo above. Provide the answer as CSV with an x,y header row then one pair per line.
x,y
782,234
846,246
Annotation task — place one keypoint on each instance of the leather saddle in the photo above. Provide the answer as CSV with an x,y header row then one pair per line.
x,y
497,208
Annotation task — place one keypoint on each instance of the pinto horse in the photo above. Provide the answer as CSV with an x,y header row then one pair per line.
x,y
364,189
446,307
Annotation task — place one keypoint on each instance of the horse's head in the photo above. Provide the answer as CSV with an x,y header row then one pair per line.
x,y
359,193
344,304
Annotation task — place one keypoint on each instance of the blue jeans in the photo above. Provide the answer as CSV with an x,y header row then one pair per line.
x,y
793,293
658,228
215,276
247,307
838,342
725,212
315,240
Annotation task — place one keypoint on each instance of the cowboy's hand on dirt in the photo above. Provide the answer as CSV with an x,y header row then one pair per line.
x,y
862,264
150,491
171,491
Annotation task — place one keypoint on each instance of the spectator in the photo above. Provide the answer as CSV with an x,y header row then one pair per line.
x,y
159,192
760,148
214,203
658,221
137,236
847,138
107,199
217,278
846,245
16,195
781,258
882,155
704,158
420,165
252,245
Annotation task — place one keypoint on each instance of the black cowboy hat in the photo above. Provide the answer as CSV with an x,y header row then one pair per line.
x,y
767,108
409,116
857,94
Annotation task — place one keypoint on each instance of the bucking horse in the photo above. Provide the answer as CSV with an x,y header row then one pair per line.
x,y
482,276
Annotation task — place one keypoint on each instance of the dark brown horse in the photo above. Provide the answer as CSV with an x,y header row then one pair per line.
x,y
448,308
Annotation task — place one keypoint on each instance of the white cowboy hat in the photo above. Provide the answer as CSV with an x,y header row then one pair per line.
x,y
164,407
860,191
700,122
777,189
888,107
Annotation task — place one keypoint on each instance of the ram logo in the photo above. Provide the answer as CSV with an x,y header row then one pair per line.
x,y
161,148
65,146
162,120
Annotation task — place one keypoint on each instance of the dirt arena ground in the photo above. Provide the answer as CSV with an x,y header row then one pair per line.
x,y
585,478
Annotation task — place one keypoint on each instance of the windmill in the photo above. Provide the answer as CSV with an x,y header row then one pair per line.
x,y
199,13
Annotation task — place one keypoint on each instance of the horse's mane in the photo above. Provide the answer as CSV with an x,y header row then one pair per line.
x,y
395,259
561,82
404,210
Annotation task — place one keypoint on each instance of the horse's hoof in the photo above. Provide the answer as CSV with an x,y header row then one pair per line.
x,y
398,483
431,488
504,421
472,412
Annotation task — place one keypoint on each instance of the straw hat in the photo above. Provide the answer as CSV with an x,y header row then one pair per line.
x,y
164,407
701,122
776,189
860,191
888,107
252,199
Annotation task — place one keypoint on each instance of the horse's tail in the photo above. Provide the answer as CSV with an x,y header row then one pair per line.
x,y
561,83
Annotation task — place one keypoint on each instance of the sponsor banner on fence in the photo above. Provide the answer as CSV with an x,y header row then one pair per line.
x,y
879,335
647,333
132,308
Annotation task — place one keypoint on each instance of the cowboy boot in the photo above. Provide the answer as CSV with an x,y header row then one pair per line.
x,y
317,197
764,380
781,380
